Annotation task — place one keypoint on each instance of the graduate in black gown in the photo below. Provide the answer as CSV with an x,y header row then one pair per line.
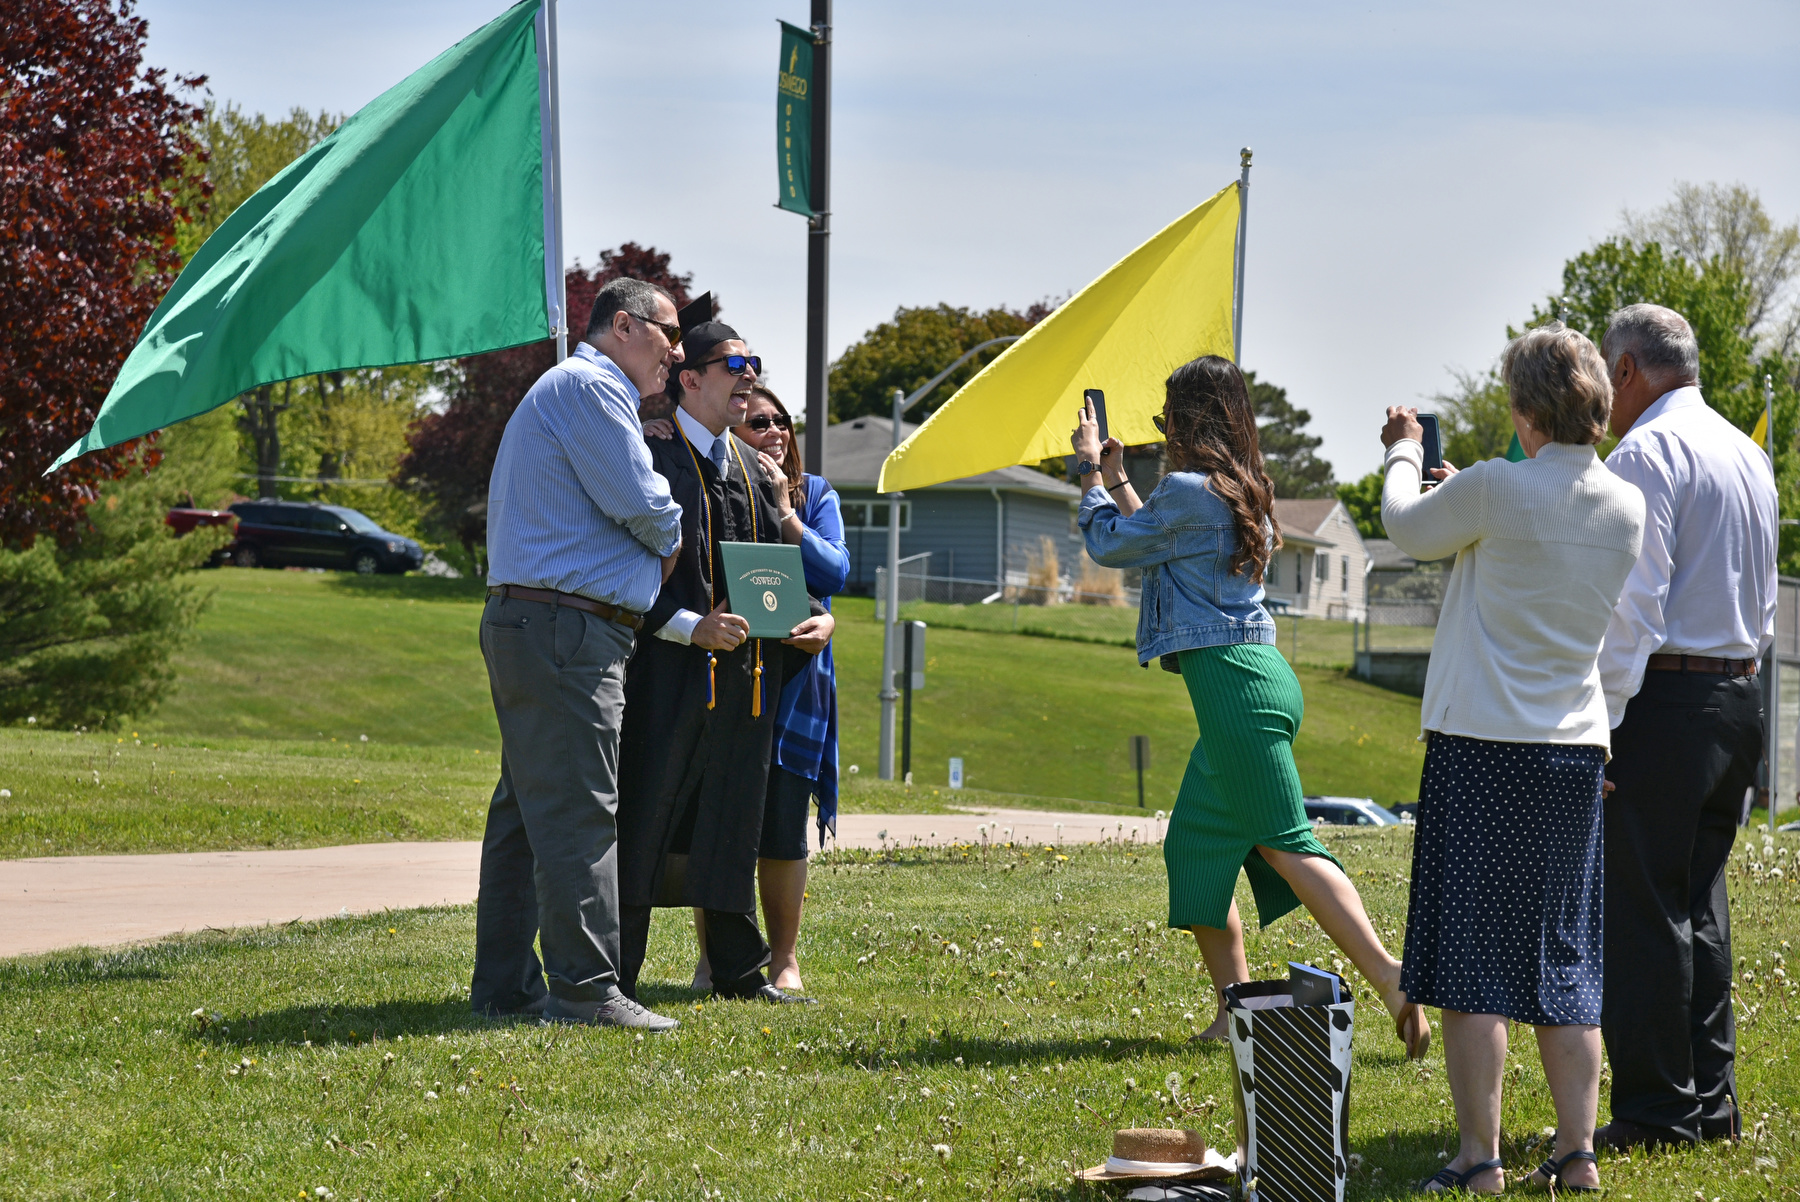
x,y
700,697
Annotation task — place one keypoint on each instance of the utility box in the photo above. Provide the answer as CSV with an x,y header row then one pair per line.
x,y
912,654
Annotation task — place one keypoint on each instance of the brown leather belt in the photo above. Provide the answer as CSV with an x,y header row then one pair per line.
x,y
1708,664
550,596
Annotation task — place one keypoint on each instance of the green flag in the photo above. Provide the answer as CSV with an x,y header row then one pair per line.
x,y
416,231
1514,452
793,120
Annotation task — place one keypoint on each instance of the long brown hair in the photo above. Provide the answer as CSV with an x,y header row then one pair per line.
x,y
1212,429
790,460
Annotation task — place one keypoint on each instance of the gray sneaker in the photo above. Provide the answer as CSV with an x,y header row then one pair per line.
x,y
616,1011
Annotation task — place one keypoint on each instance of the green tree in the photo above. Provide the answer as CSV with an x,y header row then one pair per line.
x,y
1708,221
1288,450
915,346
1363,499
1474,418
89,627
1714,298
1717,301
352,426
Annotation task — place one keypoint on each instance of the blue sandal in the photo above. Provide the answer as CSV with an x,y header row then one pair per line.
x,y
1553,1170
1449,1179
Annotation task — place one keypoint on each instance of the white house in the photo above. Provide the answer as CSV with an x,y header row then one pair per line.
x,y
1319,571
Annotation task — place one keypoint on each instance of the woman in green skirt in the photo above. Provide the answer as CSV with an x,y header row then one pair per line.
x,y
1202,541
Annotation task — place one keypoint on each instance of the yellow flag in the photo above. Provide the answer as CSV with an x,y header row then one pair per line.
x,y
1760,435
1165,303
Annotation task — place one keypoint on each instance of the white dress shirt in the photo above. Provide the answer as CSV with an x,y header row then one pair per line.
x,y
1705,582
680,627
1542,549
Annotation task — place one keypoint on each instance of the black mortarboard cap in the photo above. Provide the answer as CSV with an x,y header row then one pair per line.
x,y
696,311
697,344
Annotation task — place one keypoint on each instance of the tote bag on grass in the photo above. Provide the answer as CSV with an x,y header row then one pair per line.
x,y
1291,1090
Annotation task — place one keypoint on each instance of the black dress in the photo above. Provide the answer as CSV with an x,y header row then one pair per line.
x,y
692,780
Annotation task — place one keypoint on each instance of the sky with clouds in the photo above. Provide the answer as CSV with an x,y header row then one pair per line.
x,y
1422,171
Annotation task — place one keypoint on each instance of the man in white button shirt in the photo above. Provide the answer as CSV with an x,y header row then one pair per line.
x,y
1679,670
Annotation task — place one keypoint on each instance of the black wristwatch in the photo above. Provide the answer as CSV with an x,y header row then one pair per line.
x,y
1087,467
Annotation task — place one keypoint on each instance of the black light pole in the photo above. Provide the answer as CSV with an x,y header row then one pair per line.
x,y
818,241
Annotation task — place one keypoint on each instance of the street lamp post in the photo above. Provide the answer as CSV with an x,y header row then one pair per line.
x,y
889,694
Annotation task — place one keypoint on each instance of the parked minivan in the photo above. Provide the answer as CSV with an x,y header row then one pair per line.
x,y
294,533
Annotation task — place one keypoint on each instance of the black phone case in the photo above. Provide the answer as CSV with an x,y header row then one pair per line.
x,y
1099,399
1434,448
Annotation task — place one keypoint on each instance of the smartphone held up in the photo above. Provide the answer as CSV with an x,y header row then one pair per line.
x,y
1434,449
1095,399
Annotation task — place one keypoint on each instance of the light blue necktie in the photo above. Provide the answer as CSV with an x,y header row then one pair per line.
x,y
718,455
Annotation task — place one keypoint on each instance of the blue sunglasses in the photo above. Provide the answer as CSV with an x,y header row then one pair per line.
x,y
735,364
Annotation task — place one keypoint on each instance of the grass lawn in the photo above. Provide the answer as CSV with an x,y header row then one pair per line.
x,y
310,656
1012,1007
104,793
101,793
1054,717
318,655
262,744
1314,641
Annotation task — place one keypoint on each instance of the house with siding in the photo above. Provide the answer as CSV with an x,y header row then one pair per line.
x,y
979,528
1321,568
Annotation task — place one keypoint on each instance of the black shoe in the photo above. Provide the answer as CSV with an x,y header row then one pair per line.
x,y
1621,1135
767,993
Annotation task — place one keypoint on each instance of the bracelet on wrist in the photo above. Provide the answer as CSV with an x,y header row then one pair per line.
x,y
1119,485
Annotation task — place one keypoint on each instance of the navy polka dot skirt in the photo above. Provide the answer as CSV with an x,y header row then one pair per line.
x,y
1505,914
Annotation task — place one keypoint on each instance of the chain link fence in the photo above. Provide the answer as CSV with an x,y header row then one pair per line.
x,y
950,590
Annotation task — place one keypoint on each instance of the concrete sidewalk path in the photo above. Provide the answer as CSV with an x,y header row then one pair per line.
x,y
101,901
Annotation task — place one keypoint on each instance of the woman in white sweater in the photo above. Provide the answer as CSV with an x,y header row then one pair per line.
x,y
1504,920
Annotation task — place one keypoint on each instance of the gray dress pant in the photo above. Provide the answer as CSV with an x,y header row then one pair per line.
x,y
549,859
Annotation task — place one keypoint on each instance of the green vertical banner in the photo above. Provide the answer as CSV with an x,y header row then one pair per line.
x,y
793,121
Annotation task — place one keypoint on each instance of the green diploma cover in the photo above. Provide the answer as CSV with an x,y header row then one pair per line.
x,y
766,584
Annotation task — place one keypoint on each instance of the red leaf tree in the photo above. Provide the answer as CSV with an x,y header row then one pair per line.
x,y
451,453
96,161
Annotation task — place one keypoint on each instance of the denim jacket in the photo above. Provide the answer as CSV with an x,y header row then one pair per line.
x,y
1183,539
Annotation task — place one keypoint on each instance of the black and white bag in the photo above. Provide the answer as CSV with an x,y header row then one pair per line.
x,y
1291,1088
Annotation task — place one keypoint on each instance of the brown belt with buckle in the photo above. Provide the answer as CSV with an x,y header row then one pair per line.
x,y
550,596
1709,664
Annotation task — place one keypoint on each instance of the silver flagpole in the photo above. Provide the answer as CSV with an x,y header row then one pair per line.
x,y
1237,283
562,294
1772,723
556,301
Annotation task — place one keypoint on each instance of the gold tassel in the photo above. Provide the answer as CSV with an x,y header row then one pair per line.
x,y
756,697
711,689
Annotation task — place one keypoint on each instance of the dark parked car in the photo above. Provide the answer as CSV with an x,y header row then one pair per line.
x,y
283,533
1349,811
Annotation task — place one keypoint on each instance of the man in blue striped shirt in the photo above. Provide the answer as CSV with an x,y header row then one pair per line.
x,y
581,534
